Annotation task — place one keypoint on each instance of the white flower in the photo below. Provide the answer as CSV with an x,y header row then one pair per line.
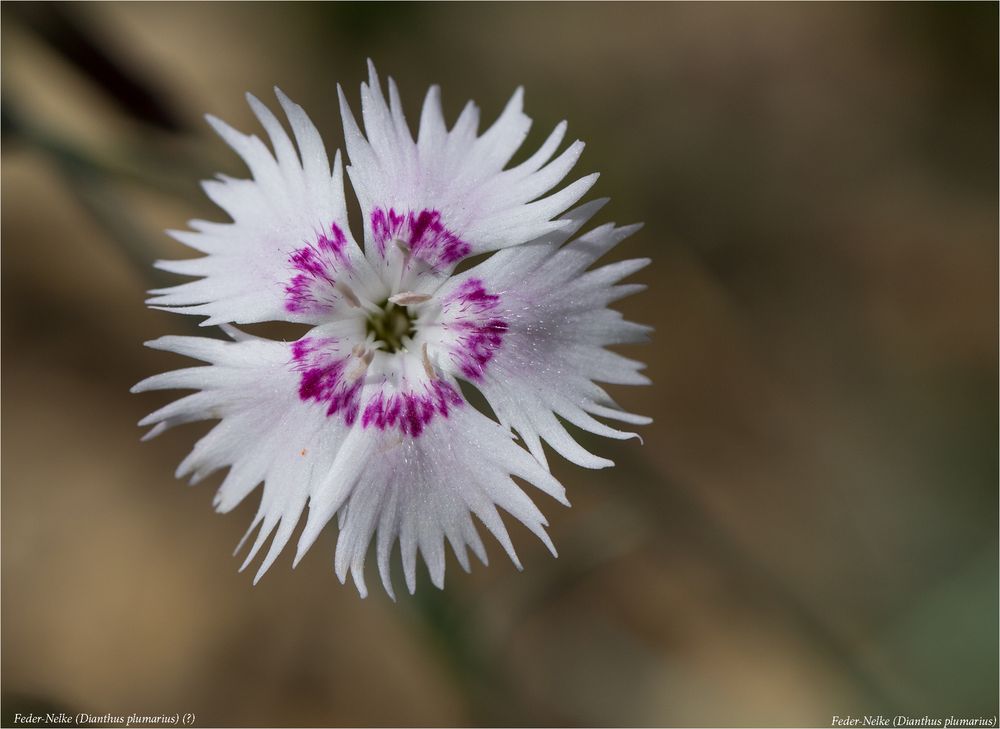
x,y
363,418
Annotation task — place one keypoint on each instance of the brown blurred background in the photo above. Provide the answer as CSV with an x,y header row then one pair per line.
x,y
811,526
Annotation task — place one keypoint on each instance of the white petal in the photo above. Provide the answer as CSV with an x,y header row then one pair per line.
x,y
421,491
292,202
457,175
529,327
266,434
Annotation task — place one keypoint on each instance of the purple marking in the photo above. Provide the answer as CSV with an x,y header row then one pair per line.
x,y
471,311
472,295
410,412
478,345
422,231
323,379
312,290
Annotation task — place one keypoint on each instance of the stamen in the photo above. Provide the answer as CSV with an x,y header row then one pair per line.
x,y
407,252
405,298
431,373
359,367
348,293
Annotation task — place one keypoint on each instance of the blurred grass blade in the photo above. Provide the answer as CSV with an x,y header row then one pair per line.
x,y
58,26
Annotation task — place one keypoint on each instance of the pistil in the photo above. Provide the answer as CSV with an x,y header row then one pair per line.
x,y
390,324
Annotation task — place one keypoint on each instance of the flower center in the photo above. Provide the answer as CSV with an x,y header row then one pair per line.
x,y
390,324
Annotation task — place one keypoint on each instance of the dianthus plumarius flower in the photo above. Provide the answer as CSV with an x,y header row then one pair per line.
x,y
363,418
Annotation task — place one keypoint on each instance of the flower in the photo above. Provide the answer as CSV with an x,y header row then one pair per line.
x,y
363,417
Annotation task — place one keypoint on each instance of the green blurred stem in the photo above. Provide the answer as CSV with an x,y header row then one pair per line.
x,y
452,632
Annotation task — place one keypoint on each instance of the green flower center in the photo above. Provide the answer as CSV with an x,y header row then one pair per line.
x,y
390,324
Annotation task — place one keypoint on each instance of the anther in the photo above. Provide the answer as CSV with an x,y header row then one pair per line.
x,y
363,358
405,298
348,293
431,374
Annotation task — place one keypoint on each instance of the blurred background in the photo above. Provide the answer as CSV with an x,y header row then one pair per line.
x,y
811,526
